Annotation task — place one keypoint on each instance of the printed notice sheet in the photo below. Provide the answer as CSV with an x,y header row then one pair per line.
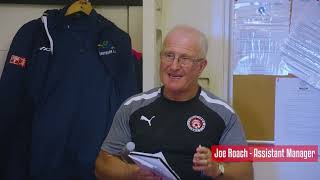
x,y
297,122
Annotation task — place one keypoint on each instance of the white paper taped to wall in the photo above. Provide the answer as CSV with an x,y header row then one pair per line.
x,y
297,122
260,27
301,50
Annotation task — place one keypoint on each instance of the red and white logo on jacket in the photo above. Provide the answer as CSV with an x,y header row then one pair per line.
x,y
196,123
19,61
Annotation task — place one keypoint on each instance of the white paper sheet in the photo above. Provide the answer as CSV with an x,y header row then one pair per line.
x,y
297,9
156,163
262,12
260,26
297,122
301,49
297,112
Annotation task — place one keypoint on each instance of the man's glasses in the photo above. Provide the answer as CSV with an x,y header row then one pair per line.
x,y
169,57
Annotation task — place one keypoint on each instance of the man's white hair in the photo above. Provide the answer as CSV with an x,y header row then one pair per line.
x,y
203,41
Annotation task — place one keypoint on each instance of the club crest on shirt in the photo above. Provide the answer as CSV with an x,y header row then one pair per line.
x,y
196,123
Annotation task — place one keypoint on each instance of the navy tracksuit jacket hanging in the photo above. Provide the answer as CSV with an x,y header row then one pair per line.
x,y
64,79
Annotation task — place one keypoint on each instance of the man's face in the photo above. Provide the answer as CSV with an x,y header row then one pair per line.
x,y
177,76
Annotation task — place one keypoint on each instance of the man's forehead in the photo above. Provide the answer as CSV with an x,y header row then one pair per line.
x,y
183,35
182,43
185,30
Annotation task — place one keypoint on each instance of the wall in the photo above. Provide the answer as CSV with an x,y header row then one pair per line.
x,y
13,16
151,18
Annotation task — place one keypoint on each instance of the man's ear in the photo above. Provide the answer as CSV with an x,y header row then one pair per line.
x,y
203,64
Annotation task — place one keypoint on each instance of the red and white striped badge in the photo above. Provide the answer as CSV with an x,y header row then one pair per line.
x,y
19,61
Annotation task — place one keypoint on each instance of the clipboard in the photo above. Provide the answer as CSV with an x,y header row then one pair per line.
x,y
155,163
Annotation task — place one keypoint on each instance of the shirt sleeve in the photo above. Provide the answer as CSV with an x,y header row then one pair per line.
x,y
233,133
15,105
119,133
13,83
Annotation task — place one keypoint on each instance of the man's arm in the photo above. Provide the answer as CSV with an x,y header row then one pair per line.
x,y
108,164
111,167
234,135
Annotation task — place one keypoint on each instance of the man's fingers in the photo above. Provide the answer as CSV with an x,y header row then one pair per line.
x,y
199,168
147,175
202,149
202,156
202,162
150,178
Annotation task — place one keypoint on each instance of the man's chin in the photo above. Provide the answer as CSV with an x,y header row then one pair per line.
x,y
174,88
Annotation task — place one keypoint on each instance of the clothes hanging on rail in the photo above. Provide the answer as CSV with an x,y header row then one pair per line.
x,y
63,81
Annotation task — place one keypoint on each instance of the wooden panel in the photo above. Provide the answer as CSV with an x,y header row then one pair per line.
x,y
254,101
135,26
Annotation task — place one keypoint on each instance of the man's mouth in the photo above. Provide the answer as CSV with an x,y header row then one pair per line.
x,y
175,76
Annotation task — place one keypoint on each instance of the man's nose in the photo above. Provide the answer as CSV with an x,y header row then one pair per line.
x,y
175,64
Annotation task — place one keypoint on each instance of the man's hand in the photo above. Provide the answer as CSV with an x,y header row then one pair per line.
x,y
143,174
202,161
